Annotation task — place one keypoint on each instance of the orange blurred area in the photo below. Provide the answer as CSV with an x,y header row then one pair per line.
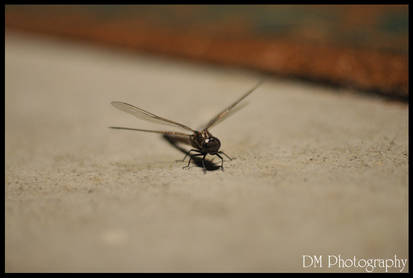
x,y
362,47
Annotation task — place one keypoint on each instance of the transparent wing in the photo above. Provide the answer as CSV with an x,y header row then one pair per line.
x,y
176,136
230,113
226,112
169,133
145,115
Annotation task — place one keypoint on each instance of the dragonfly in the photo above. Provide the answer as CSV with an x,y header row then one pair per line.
x,y
201,141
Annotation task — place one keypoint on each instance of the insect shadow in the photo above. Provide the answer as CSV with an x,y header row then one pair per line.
x,y
209,165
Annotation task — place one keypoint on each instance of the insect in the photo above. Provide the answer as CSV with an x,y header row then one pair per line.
x,y
203,142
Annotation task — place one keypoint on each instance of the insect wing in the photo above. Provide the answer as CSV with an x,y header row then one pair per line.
x,y
145,115
226,112
169,133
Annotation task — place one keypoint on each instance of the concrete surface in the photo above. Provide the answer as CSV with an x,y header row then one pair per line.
x,y
318,171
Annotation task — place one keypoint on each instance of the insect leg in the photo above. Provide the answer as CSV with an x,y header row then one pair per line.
x,y
190,159
225,155
222,162
188,153
203,162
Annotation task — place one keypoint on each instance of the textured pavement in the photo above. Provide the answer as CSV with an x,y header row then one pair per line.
x,y
318,171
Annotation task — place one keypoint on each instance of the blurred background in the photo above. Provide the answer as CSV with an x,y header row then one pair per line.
x,y
361,47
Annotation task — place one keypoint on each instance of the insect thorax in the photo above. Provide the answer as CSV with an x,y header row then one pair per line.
x,y
205,142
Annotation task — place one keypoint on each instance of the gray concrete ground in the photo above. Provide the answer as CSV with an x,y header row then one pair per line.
x,y
318,171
